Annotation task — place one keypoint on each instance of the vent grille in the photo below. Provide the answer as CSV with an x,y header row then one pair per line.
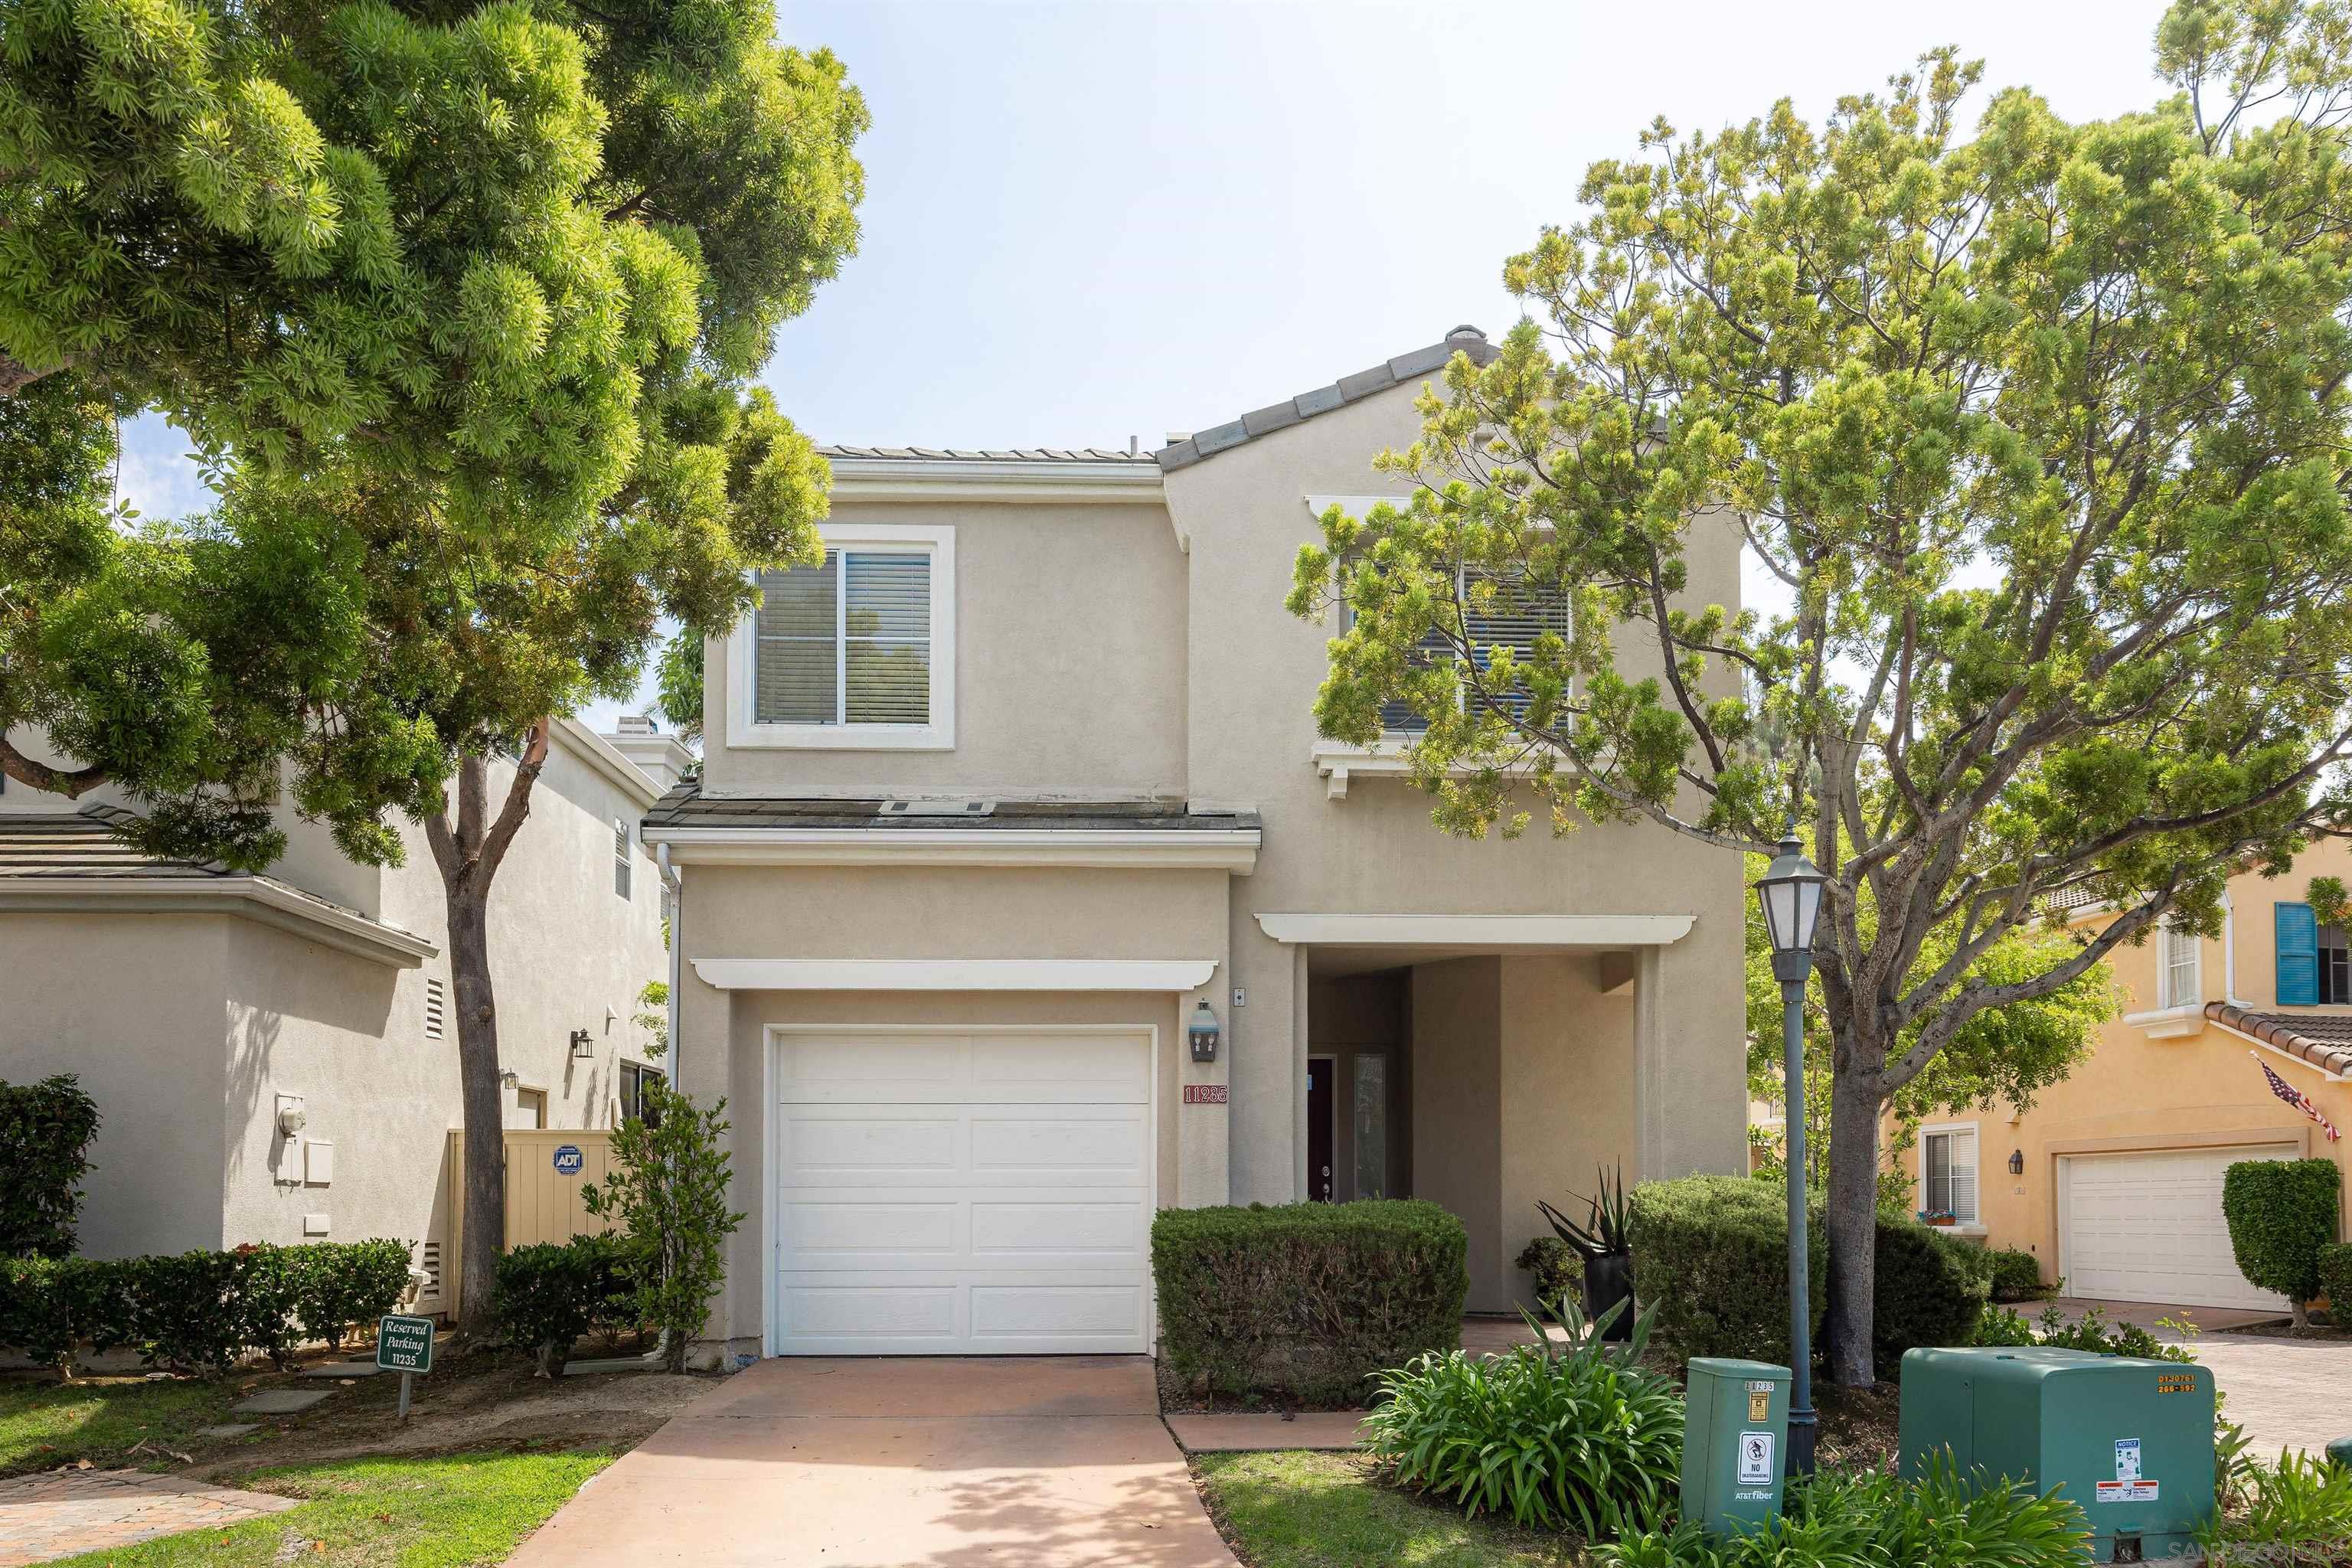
x,y
436,1005
428,1258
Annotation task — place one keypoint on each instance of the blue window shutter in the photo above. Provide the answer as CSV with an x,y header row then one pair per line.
x,y
2298,955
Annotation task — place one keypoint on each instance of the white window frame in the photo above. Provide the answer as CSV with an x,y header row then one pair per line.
x,y
744,730
2169,941
1945,1129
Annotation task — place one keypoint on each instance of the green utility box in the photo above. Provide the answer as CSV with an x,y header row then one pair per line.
x,y
2130,1440
1735,1442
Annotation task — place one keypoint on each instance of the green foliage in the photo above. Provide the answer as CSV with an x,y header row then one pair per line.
x,y
548,1295
2280,1213
2040,424
201,1312
653,1011
1604,1227
1584,1439
1712,1254
2017,1275
1930,1289
45,1129
2091,1333
1557,1267
2003,1327
2335,1281
678,678
1942,1519
668,1190
2296,1513
1306,1300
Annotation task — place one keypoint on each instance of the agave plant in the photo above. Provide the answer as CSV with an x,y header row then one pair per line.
x,y
1604,1232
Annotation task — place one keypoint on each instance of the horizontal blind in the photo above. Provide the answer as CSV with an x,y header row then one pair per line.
x,y
1519,617
797,680
886,638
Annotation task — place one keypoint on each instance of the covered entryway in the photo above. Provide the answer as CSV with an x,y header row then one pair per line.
x,y
944,1190
2149,1228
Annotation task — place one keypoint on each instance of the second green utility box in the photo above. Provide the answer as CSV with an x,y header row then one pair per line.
x,y
1735,1442
2130,1440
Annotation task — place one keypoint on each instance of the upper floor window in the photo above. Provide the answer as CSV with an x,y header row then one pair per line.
x,y
1511,621
858,651
2179,967
2335,967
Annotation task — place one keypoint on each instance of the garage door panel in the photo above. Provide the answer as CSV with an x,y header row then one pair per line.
x,y
985,1193
2149,1228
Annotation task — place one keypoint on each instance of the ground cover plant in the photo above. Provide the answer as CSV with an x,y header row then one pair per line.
x,y
1300,1510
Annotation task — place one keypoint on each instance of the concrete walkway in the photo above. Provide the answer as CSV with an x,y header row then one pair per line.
x,y
1039,1462
70,1511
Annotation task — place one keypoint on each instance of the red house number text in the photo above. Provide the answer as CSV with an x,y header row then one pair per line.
x,y
1204,1094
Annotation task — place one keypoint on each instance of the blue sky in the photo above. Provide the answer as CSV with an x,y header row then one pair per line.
x,y
1085,221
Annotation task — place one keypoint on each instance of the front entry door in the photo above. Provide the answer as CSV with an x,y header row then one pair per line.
x,y
1319,1074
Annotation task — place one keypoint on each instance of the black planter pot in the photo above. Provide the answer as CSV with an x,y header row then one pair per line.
x,y
1609,1280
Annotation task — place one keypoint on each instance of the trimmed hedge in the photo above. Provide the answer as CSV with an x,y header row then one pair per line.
x,y
548,1295
2280,1213
2016,1276
1712,1252
1306,1300
1927,1290
45,1129
199,1312
2335,1281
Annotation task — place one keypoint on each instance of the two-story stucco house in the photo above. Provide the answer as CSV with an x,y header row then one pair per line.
x,y
200,1007
1021,790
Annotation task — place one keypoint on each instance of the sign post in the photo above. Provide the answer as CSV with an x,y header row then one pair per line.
x,y
404,1345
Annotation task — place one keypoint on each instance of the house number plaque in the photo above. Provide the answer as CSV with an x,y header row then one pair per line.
x,y
1204,1094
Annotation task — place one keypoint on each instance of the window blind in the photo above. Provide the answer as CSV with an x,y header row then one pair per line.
x,y
1951,1175
1515,620
847,642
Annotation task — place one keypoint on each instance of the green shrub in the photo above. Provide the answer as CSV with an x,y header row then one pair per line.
x,y
2296,1513
2017,1275
2280,1213
1584,1439
1306,1300
1558,1270
45,1129
1998,1326
51,1307
1930,1289
1866,1519
1713,1253
547,1295
2335,1281
2091,1333
669,1187
339,1284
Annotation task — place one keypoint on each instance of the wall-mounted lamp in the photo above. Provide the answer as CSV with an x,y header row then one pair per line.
x,y
1203,1032
581,1045
508,1078
2017,1161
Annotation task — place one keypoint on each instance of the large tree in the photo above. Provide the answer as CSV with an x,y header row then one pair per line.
x,y
2041,430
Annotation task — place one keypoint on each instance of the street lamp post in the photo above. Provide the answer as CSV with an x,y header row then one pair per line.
x,y
1791,897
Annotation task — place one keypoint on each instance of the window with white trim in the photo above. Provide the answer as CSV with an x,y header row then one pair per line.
x,y
1512,622
634,1076
1947,1172
2179,961
855,651
621,857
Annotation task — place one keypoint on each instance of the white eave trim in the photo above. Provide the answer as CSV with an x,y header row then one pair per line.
x,y
257,899
955,974
603,758
1336,761
1211,849
1482,932
935,478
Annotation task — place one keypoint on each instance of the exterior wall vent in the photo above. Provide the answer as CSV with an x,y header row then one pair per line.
x,y
436,1006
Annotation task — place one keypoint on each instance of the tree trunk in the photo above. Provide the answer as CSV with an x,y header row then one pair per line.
x,y
1853,1229
484,1197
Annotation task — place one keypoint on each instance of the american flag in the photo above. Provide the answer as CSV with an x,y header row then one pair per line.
x,y
2297,1098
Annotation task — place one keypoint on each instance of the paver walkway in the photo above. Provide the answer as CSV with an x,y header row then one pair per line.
x,y
949,1462
57,1515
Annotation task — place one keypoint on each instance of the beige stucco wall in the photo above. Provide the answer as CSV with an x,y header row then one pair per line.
x,y
1069,621
2198,1091
1457,1101
135,1006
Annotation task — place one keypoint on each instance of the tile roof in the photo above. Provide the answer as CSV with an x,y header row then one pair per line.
x,y
2323,1039
686,806
1006,455
83,844
1397,371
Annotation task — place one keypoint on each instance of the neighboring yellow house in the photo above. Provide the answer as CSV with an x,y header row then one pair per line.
x,y
2114,1178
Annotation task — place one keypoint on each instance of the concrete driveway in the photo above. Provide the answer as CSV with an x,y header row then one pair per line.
x,y
884,1463
2286,1392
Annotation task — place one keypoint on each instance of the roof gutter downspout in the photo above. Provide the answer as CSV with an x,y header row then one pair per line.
x,y
673,888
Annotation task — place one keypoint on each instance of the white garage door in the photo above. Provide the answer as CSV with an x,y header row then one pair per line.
x,y
2149,1228
962,1193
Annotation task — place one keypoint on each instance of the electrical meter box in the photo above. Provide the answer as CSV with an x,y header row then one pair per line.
x,y
2130,1440
1735,1442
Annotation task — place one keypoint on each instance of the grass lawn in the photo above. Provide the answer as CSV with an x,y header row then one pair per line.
x,y
444,1512
44,1424
1325,1510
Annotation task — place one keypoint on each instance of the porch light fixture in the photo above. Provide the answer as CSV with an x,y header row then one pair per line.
x,y
1790,898
2017,1161
582,1045
1203,1032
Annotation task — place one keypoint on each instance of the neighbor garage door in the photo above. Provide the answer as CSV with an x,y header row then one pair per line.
x,y
962,1193
2149,1228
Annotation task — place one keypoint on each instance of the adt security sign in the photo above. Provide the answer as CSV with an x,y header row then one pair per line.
x,y
404,1345
569,1159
